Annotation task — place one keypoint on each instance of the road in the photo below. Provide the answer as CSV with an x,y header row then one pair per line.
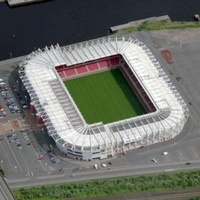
x,y
5,193
102,174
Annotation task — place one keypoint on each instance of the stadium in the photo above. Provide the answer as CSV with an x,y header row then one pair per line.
x,y
43,73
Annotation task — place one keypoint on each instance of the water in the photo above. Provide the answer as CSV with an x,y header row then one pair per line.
x,y
69,21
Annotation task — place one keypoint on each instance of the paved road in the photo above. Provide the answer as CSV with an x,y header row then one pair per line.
x,y
103,173
5,193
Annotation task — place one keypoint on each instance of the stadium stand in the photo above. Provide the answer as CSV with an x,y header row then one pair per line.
x,y
66,125
81,69
92,67
115,61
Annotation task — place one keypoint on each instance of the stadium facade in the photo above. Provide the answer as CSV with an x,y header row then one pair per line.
x,y
43,71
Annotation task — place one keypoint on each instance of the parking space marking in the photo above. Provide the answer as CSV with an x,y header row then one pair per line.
x,y
195,108
181,155
13,154
167,158
7,157
170,146
26,165
40,161
195,153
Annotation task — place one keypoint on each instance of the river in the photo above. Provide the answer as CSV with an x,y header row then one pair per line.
x,y
69,21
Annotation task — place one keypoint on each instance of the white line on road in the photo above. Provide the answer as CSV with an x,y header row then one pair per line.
x,y
195,153
37,156
167,158
181,155
2,190
13,154
169,170
7,157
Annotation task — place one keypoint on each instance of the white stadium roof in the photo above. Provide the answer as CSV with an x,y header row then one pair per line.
x,y
62,117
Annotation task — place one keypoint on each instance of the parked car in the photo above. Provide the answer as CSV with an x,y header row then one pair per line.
x,y
154,160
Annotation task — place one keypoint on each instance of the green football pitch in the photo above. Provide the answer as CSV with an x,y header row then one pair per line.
x,y
104,97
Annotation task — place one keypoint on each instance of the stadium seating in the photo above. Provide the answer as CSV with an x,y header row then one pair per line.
x,y
92,66
81,69
70,72
115,61
104,64
150,106
60,68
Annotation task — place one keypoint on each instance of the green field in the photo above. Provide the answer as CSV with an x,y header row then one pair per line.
x,y
105,97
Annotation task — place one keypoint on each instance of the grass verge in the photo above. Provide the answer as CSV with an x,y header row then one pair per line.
x,y
164,24
110,187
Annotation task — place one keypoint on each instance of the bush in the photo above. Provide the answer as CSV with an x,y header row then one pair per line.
x,y
115,186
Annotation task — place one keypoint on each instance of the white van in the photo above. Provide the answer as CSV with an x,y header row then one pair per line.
x,y
95,166
103,165
165,153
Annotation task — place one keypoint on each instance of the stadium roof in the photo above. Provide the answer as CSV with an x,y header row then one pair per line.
x,y
64,120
